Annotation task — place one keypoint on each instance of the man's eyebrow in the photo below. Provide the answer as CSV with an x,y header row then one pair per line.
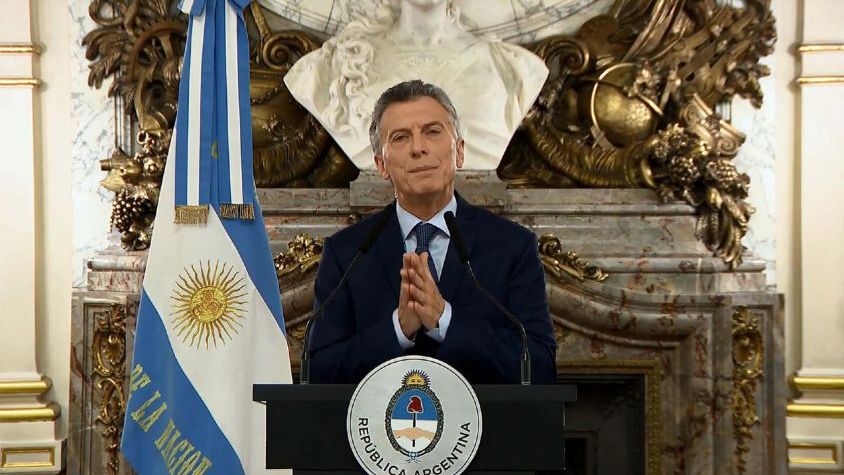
x,y
424,126
390,133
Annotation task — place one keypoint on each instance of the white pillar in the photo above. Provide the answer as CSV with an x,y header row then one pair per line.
x,y
816,416
28,442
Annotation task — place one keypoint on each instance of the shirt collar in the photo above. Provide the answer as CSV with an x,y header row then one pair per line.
x,y
407,221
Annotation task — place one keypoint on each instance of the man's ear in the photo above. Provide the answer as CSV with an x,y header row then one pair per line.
x,y
381,166
460,146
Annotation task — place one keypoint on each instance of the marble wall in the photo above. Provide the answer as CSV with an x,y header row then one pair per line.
x,y
757,158
92,117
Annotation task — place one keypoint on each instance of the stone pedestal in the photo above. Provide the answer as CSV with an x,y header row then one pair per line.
x,y
705,340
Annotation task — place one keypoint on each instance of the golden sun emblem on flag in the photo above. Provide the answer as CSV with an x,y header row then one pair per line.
x,y
207,304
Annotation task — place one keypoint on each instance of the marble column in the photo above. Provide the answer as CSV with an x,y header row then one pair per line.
x,y
28,441
816,415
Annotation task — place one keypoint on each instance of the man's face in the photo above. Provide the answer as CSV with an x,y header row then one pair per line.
x,y
419,151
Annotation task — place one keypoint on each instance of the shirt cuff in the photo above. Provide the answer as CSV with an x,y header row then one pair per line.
x,y
438,333
404,342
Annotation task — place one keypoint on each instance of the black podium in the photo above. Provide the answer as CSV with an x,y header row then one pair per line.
x,y
522,427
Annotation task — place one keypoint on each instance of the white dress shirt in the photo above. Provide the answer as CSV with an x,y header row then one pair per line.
x,y
438,247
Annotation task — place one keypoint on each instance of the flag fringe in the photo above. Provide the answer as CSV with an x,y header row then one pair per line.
x,y
191,214
237,211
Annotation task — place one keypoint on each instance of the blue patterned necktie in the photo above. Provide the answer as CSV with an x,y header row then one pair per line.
x,y
424,233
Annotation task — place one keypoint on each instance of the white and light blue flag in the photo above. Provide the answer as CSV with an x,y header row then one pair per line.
x,y
210,322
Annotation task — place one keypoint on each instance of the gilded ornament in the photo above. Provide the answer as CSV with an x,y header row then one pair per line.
x,y
301,258
641,71
748,353
109,358
558,263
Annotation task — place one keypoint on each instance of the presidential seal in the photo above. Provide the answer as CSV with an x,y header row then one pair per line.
x,y
414,415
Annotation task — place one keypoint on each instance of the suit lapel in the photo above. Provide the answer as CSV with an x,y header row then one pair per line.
x,y
454,270
390,248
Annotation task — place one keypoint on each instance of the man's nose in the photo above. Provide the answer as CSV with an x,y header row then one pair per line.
x,y
417,145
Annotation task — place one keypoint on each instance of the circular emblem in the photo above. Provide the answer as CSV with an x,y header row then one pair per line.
x,y
207,302
412,415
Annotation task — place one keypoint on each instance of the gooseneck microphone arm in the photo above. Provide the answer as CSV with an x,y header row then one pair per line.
x,y
460,245
305,366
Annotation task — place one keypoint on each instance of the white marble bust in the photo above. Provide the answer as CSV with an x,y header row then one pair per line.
x,y
491,83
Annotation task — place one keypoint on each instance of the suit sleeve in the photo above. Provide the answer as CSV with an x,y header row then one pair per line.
x,y
340,351
493,351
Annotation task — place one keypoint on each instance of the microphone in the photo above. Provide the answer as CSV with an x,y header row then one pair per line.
x,y
460,245
368,241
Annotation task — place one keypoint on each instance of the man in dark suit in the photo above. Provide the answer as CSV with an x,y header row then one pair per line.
x,y
410,294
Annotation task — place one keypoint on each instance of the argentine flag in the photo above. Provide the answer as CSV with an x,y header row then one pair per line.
x,y
210,322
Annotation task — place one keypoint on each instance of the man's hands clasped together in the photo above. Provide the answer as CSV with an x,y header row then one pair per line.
x,y
420,301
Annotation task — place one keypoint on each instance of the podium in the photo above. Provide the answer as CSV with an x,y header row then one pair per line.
x,y
522,428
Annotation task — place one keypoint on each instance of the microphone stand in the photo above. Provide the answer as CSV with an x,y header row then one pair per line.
x,y
460,245
305,365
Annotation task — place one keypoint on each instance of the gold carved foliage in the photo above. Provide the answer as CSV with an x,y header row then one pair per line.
x,y
629,103
291,148
561,264
748,354
294,268
109,357
140,44
300,260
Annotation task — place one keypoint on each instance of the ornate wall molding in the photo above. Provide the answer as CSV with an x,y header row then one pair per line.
x,y
651,373
39,413
816,454
20,82
35,388
803,383
108,350
15,48
9,456
820,47
832,411
820,80
748,354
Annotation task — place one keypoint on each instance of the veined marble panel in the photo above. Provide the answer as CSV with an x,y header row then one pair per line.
x,y
756,158
92,113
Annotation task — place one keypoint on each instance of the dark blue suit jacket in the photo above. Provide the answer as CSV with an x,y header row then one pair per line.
x,y
356,333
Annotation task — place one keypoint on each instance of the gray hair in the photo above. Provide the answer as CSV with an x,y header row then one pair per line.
x,y
405,92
